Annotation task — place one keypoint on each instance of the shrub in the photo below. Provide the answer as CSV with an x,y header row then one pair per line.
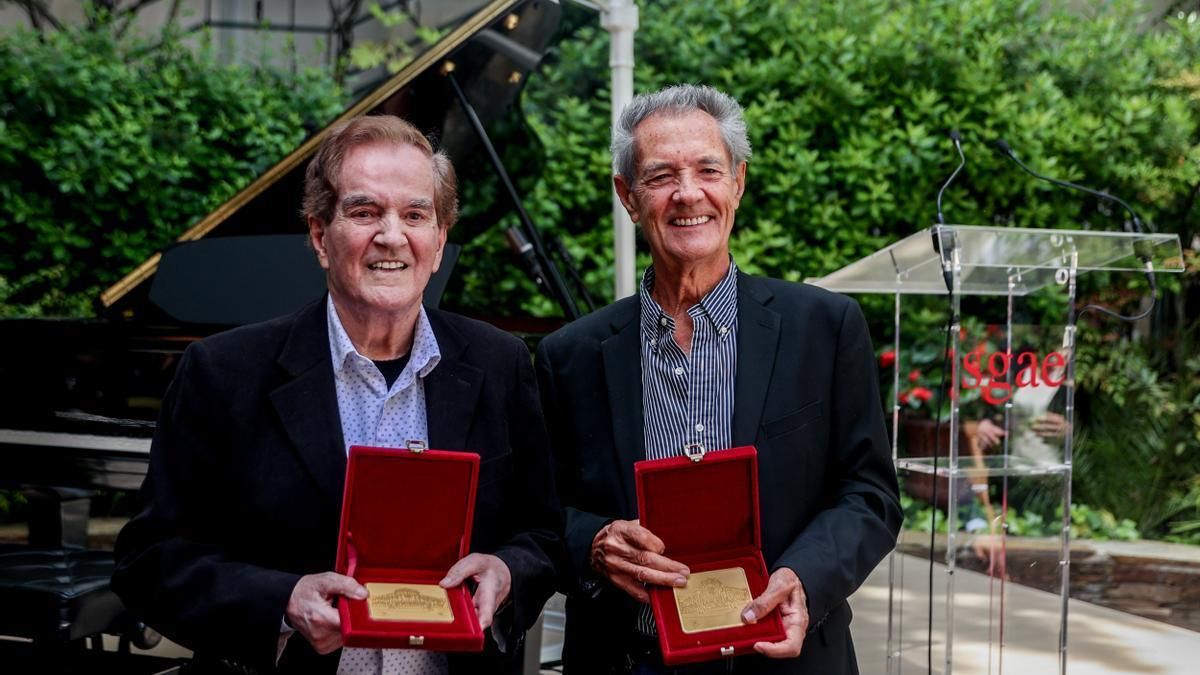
x,y
847,104
110,147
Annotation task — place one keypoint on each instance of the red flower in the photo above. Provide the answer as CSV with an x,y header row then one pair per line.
x,y
922,394
903,398
914,375
887,358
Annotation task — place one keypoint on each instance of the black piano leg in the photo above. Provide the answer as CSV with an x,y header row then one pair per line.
x,y
58,517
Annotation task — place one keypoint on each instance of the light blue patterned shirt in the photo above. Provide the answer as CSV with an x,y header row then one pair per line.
x,y
374,414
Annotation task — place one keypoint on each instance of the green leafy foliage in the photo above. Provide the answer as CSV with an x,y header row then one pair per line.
x,y
1148,469
848,104
404,42
110,147
1086,522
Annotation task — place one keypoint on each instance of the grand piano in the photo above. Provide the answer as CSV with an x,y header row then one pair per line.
x,y
81,397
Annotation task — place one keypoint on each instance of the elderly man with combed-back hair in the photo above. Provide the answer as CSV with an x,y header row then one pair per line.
x,y
234,552
706,354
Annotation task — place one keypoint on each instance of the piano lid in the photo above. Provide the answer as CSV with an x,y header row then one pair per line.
x,y
490,52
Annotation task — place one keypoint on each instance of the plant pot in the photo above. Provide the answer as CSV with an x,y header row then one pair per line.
x,y
921,435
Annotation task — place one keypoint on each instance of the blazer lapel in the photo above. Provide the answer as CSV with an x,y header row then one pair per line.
x,y
623,372
451,390
307,403
758,344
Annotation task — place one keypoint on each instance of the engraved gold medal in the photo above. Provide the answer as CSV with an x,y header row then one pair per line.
x,y
713,600
409,602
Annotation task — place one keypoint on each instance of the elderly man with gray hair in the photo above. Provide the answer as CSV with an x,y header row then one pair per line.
x,y
233,555
706,354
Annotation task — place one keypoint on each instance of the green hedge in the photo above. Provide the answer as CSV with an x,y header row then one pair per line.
x,y
110,147
848,103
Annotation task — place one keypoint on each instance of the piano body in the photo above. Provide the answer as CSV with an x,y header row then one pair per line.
x,y
81,397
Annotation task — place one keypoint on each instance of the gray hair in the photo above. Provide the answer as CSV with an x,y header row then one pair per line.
x,y
679,99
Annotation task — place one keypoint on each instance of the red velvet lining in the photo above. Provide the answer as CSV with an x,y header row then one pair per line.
x,y
706,513
701,507
407,509
406,518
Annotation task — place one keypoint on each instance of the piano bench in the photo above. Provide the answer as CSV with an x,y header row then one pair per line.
x,y
57,595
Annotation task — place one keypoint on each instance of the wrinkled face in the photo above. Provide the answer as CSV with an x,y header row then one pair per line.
x,y
685,191
384,242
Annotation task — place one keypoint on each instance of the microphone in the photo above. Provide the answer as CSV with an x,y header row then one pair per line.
x,y
957,138
1004,149
940,233
524,248
1140,248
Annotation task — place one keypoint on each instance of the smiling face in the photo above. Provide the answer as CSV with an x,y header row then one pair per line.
x,y
684,192
383,242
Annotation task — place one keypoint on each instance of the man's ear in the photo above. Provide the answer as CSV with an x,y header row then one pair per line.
x,y
441,248
739,176
316,237
627,196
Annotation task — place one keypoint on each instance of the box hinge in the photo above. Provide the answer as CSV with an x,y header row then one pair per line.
x,y
416,640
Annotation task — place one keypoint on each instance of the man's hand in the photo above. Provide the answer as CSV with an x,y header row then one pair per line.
x,y
1050,425
630,556
784,591
493,582
310,609
988,434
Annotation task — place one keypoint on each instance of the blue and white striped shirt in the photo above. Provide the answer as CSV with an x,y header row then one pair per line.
x,y
688,398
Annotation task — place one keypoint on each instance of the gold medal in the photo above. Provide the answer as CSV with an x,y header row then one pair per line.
x,y
409,602
713,600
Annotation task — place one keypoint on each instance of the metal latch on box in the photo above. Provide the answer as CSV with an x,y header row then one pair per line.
x,y
416,640
727,651
415,447
694,451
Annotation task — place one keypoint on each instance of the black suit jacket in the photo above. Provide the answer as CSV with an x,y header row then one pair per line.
x,y
246,476
806,395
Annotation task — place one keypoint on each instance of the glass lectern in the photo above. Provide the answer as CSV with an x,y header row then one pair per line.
x,y
996,470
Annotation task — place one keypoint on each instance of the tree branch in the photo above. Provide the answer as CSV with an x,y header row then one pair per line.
x,y
129,14
38,14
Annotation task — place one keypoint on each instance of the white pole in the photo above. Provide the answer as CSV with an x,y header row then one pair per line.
x,y
620,19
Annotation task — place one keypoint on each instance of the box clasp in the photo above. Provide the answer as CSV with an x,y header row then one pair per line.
x,y
727,651
416,640
414,446
694,451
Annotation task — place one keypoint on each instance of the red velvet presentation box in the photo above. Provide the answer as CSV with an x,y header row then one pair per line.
x,y
406,518
706,512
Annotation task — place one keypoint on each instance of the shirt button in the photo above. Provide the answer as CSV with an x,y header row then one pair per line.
x,y
678,370
653,342
662,321
699,427
722,330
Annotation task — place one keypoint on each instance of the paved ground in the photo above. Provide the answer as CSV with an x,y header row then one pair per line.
x,y
1100,640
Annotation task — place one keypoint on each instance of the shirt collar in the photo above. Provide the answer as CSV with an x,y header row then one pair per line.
x,y
719,305
424,355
